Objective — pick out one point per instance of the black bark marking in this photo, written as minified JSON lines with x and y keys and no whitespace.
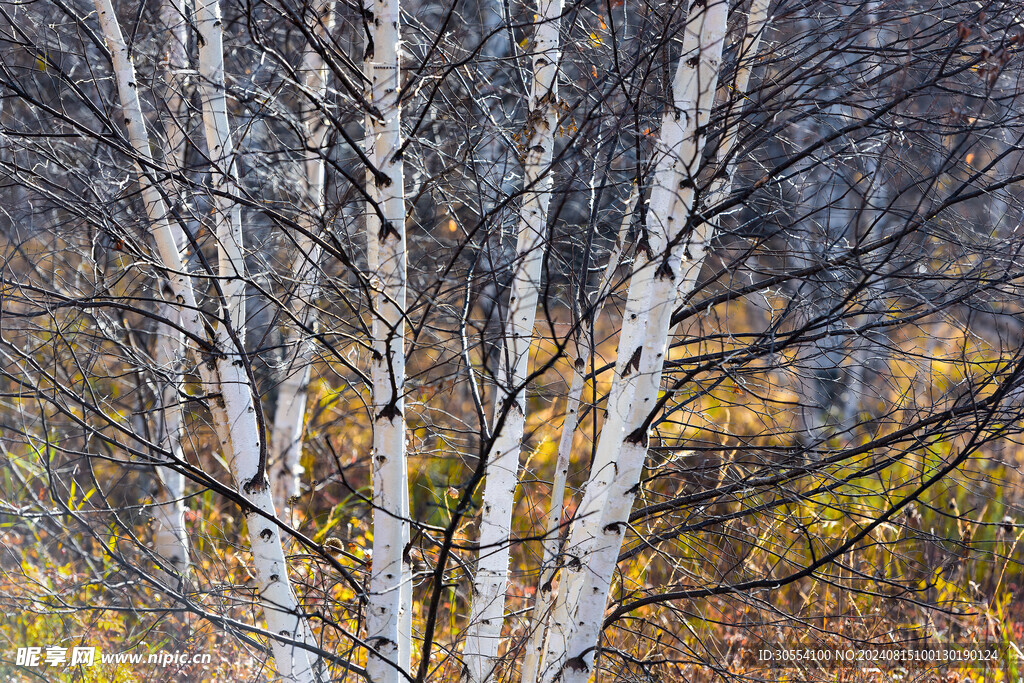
{"x":638,"y":436}
{"x":664,"y":271}
{"x":259,"y":483}
{"x":390,"y":411}
{"x":643,"y":244}
{"x":576,"y":664}
{"x":634,"y":362}
{"x":387,"y":228}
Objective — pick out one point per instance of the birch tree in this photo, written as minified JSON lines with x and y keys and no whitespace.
{"x":235,"y":412}
{"x":171,"y":537}
{"x":502,"y":469}
{"x":597,"y":537}
{"x":289,"y":415}
{"x":583,"y":356}
{"x":265,"y":253}
{"x":389,"y":616}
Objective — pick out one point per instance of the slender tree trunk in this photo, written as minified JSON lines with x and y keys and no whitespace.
{"x":828,"y":219}
{"x":175,"y":64}
{"x":873,"y":213}
{"x":597,"y":534}
{"x":757,"y":20}
{"x":227,"y":214}
{"x":582,"y":354}
{"x":289,"y":415}
{"x":490,"y":584}
{"x":234,"y":411}
{"x":171,"y":538}
{"x":389,"y":614}
{"x":243,"y":437}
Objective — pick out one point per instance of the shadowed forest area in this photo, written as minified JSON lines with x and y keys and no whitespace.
{"x":501,"y":341}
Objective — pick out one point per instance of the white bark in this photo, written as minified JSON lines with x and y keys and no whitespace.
{"x":170,"y":539}
{"x":238,"y":431}
{"x":234,"y":412}
{"x":167,"y":234}
{"x":757,"y":20}
{"x":490,"y":584}
{"x":289,"y":416}
{"x":721,"y":185}
{"x":389,"y":613}
{"x":175,"y":63}
{"x":596,"y":537}
{"x":227,"y":215}
{"x":538,"y":624}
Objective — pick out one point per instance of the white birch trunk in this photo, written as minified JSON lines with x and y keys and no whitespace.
{"x":389,"y":613}
{"x":490,"y":584}
{"x":170,"y":538}
{"x":227,"y":214}
{"x":167,"y":234}
{"x":172,"y":17}
{"x":239,"y":433}
{"x":757,"y":19}
{"x":596,"y":537}
{"x":721,"y":185}
{"x":538,"y":624}
{"x":289,"y":415}
{"x":234,"y":412}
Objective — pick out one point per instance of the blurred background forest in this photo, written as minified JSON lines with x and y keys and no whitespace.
{"x":835,"y":450}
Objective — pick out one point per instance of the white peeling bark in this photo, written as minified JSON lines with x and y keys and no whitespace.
{"x":289,"y":415}
{"x":228,"y":214}
{"x":175,"y":64}
{"x":389,"y":612}
{"x":721,"y":185}
{"x":757,"y":20}
{"x":170,"y":539}
{"x":234,"y":412}
{"x":538,"y":624}
{"x":483,"y":636}
{"x":596,"y":536}
{"x":241,"y":437}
